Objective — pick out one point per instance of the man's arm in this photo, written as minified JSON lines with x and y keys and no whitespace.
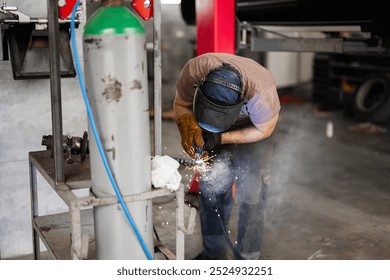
{"x":251,"y":133}
{"x":190,"y":131}
{"x":181,"y":106}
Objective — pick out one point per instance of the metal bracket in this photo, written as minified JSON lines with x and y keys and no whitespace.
{"x":21,"y":18}
{"x":25,"y":40}
{"x":26,"y":44}
{"x":307,"y":39}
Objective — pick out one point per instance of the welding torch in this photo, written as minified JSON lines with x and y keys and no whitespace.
{"x":198,"y":152}
{"x":197,"y":161}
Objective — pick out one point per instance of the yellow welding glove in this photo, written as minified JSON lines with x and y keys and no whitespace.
{"x":190,"y":132}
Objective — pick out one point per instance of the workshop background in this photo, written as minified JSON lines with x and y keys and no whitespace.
{"x":330,"y":188}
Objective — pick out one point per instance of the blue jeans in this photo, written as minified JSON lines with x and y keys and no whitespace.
{"x":249,"y":166}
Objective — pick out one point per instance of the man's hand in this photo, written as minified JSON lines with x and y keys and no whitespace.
{"x":211,"y":140}
{"x":190,"y":132}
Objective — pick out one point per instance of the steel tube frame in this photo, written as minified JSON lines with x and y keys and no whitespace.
{"x":55,"y":89}
{"x":157,"y":77}
{"x":79,"y":248}
{"x":34,"y":208}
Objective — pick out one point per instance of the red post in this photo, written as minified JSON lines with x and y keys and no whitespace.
{"x":215,"y":26}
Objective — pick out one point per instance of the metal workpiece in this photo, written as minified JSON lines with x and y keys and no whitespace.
{"x":116,"y":82}
{"x":185,"y":162}
{"x":72,"y":145}
{"x":200,"y":163}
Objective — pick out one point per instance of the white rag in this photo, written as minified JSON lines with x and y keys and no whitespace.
{"x":165,"y":172}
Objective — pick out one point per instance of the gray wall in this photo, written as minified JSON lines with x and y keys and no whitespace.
{"x":25,"y":116}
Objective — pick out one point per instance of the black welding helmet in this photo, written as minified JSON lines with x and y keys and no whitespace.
{"x":218,"y":99}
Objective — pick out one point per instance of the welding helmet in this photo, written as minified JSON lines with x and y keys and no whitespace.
{"x":218,"y":99}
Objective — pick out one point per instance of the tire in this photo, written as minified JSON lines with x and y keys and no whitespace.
{"x":372,"y":99}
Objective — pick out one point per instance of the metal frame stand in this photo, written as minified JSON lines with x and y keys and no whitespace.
{"x":53,"y":229}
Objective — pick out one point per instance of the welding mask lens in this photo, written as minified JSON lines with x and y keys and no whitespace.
{"x":213,"y":117}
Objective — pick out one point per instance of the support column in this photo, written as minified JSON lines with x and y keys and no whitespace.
{"x":215,"y":26}
{"x":55,"y":90}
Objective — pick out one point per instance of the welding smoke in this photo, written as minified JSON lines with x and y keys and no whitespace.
{"x":220,"y":177}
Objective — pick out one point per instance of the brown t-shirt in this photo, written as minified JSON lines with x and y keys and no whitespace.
{"x":258,"y":85}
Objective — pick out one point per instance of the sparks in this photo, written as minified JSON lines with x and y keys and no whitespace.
{"x":203,"y":165}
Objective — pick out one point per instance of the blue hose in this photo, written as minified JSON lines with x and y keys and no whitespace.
{"x":96,"y":134}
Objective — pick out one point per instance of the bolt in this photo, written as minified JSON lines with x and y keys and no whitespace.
{"x":69,"y":159}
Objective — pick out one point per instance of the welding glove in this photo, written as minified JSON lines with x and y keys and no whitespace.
{"x":211,"y":140}
{"x":190,"y":132}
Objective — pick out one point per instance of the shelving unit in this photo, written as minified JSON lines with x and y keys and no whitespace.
{"x":71,"y":235}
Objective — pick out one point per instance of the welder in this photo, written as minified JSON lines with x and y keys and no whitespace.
{"x":227,"y":106}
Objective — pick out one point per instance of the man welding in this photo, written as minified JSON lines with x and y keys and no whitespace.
{"x":226,"y":108}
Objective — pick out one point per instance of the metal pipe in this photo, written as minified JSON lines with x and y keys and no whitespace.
{"x":157,"y":77}
{"x":75,"y":229}
{"x":34,"y":209}
{"x":180,"y":236}
{"x":55,"y":89}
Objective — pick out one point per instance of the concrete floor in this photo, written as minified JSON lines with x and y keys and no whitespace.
{"x":329,"y":197}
